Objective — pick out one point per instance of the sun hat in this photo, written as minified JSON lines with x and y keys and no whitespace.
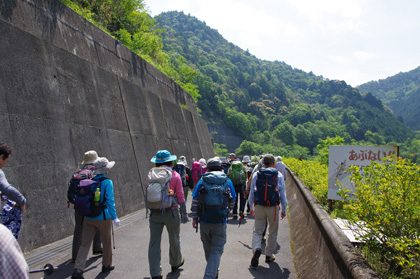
{"x":232,"y":155}
{"x":202,"y":161}
{"x":102,"y":165}
{"x":214,"y":164}
{"x":89,"y":157}
{"x":163,"y":156}
{"x":182,"y":160}
{"x":246,"y":159}
{"x":278,"y":158}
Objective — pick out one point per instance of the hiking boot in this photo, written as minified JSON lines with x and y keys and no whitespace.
{"x":158,"y":277}
{"x":263,"y":239}
{"x":175,"y":268}
{"x":108,"y":268}
{"x":235,"y":216}
{"x":269,"y":259}
{"x":255,"y":257}
{"x":77,"y":274}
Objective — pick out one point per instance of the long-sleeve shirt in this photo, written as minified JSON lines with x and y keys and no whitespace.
{"x":11,"y":192}
{"x":12,"y":262}
{"x":281,"y":167}
{"x":281,"y":189}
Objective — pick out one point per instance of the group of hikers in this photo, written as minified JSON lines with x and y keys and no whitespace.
{"x":217,"y":188}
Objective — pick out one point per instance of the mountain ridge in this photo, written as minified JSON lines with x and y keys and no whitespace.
{"x":273,"y":103}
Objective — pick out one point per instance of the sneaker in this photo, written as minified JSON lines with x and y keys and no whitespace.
{"x":235,"y":216}
{"x":263,"y":239}
{"x":158,"y":277}
{"x":269,"y":259}
{"x":175,"y":268}
{"x":77,"y":274}
{"x":99,"y":252}
{"x":108,"y":268}
{"x":255,"y":257}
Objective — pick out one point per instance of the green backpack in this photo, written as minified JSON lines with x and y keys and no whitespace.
{"x":236,"y":173}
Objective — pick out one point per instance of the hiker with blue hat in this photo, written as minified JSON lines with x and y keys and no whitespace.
{"x":163,"y":194}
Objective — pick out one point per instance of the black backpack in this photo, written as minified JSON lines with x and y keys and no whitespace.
{"x":83,"y":173}
{"x":180,"y":168}
{"x":266,"y":184}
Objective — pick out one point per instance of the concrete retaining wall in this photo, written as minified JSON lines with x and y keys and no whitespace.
{"x":67,"y":87}
{"x":321,"y":248}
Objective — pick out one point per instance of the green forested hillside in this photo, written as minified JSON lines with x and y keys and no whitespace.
{"x":272,"y":104}
{"x":401,"y":93}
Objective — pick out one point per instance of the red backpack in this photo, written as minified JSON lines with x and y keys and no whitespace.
{"x":196,"y":171}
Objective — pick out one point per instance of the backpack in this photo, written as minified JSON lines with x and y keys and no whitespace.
{"x":84,"y":200}
{"x":158,"y":194}
{"x":266,"y":185}
{"x":236,"y":173}
{"x":180,"y":168}
{"x":214,"y":196}
{"x":196,"y":171}
{"x":84,"y":173}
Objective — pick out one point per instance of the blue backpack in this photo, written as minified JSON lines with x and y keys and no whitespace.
{"x":214,"y":196}
{"x":84,"y":200}
{"x":266,"y":184}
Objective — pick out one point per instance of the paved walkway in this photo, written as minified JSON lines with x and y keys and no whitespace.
{"x":130,"y":254}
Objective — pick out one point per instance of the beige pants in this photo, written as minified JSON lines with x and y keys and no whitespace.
{"x":89,"y":231}
{"x":265,"y":214}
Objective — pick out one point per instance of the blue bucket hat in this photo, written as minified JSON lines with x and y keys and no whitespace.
{"x":163,"y":156}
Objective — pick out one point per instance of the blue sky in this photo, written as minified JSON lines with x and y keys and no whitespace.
{"x":352,"y":40}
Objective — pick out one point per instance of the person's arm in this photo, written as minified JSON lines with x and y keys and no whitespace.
{"x":252,"y":194}
{"x":282,"y":193}
{"x":108,"y":185}
{"x":194,"y":204}
{"x":13,"y":263}
{"x":11,"y":192}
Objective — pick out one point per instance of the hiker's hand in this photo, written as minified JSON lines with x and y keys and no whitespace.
{"x":22,"y":208}
{"x":117,"y":222}
{"x":283,"y":214}
{"x":184,"y":218}
{"x":252,"y":213}
{"x":194,"y":223}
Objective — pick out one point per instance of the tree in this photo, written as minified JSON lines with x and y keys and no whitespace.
{"x":284,"y":132}
{"x":386,"y":209}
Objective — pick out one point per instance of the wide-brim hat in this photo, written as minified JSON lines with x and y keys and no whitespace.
{"x":102,"y":165}
{"x":163,"y":156}
{"x":89,"y":157}
{"x":182,"y":160}
{"x":246,"y":159}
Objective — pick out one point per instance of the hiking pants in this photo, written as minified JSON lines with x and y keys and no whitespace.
{"x":89,"y":230}
{"x":77,"y":236}
{"x":239,"y":194}
{"x":158,"y":219}
{"x":265,"y":214}
{"x":213,"y":237}
{"x":185,"y":193}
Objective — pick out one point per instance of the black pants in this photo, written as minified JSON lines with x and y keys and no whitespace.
{"x":239,"y":189}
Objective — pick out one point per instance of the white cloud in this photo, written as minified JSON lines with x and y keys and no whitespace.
{"x":363,"y":56}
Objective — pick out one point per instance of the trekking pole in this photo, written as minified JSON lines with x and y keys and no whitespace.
{"x":113,"y":239}
{"x":48,"y":269}
{"x":240,"y":219}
